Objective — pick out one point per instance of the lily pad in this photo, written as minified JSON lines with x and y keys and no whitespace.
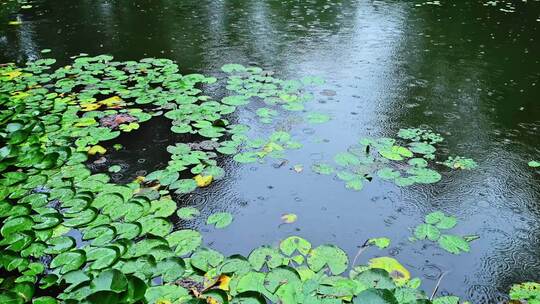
{"x":188,"y":213}
{"x":335,"y":258}
{"x":322,"y":168}
{"x":427,"y":231}
{"x":453,"y":244}
{"x":220,"y":220}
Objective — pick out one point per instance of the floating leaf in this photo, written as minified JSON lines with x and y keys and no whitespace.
{"x":114,"y":169}
{"x":68,"y":261}
{"x":346,"y":159}
{"x":173,"y":293}
{"x":375,"y":296}
{"x":395,"y":153}
{"x":459,"y":162}
{"x":188,"y":213}
{"x":237,"y":100}
{"x":398,"y":273}
{"x":97,"y":149}
{"x":322,"y":168}
{"x":185,"y":241}
{"x":203,"y":181}
{"x":330,"y":255}
{"x":233,"y":67}
{"x":528,"y":291}
{"x":427,"y":231}
{"x":204,"y":259}
{"x":317,"y":118}
{"x":289,"y":218}
{"x":129,"y":127}
{"x":424,"y":175}
{"x":265,"y":255}
{"x":434,"y":217}
{"x":388,"y":173}
{"x":246,"y":157}
{"x":16,"y":224}
{"x":171,"y":269}
{"x":422,"y":148}
{"x":534,"y":164}
{"x":355,"y":183}
{"x":380,"y":242}
{"x":184,"y":185}
{"x":453,"y":243}
{"x":295,"y":243}
{"x":220,"y":220}
{"x":103,"y":257}
{"x":446,"y":300}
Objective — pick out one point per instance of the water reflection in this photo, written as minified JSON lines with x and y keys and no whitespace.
{"x":468,"y":71}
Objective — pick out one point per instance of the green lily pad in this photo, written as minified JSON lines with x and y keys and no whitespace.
{"x":322,"y":168}
{"x":220,"y":220}
{"x":205,"y":258}
{"x":534,"y":164}
{"x":380,"y":242}
{"x":375,"y":296}
{"x":427,"y":231}
{"x":295,"y":243}
{"x":246,"y":157}
{"x":317,"y":118}
{"x":188,"y":213}
{"x":69,"y":261}
{"x":184,"y":241}
{"x":330,"y":255}
{"x":453,"y":244}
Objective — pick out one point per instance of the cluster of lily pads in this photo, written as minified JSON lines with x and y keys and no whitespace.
{"x":71,"y":236}
{"x":528,"y":292}
{"x":274,"y":147}
{"x":431,"y":229}
{"x":254,"y":82}
{"x":405,"y":162}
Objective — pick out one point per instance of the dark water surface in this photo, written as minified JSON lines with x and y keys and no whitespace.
{"x":468,"y":71}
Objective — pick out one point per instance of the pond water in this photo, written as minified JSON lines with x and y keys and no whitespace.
{"x":468,"y":71}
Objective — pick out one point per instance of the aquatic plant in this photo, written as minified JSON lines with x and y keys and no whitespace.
{"x":528,"y":292}
{"x":406,"y":162}
{"x":258,"y":149}
{"x":431,"y":229}
{"x":73,"y":234}
{"x":534,"y":164}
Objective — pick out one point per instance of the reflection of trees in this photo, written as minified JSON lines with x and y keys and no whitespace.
{"x":467,"y":64}
{"x":462,"y":70}
{"x":195,"y":33}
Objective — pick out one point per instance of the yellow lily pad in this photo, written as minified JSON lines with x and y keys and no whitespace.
{"x":203,"y":181}
{"x":19,"y":95}
{"x":85,"y":122}
{"x":289,"y":218}
{"x":97,"y":149}
{"x":112,"y":101}
{"x":12,"y":74}
{"x":90,"y":107}
{"x":398,"y":272}
{"x":224,"y":281}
